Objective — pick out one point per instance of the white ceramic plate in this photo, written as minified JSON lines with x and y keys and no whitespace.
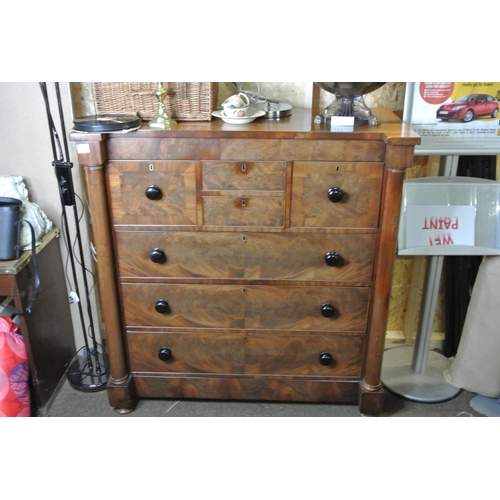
{"x":239,"y":120}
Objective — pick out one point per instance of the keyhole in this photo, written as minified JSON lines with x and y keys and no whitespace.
{"x":151,"y":167}
{"x":338,"y":169}
{"x":243,"y":167}
{"x":243,"y":203}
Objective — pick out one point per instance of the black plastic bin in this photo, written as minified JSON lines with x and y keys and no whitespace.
{"x":10,"y":214}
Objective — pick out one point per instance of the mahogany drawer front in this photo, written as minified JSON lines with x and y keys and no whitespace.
{"x":299,"y":149}
{"x":152,"y":192}
{"x":180,"y":254}
{"x":178,"y":148}
{"x":250,"y":354}
{"x":335,"y":194}
{"x":243,"y":175}
{"x":244,"y":210}
{"x":192,"y":306}
{"x":125,"y":148}
{"x":226,"y":255}
{"x":186,"y":352}
{"x":318,"y":355}
{"x":305,"y":308}
{"x":265,"y":307}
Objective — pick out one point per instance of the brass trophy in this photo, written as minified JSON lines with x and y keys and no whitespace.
{"x":161,"y":120}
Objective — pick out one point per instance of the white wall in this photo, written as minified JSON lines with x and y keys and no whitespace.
{"x":26,"y":151}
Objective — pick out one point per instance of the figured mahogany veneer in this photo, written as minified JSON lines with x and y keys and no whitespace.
{"x":247,"y":262}
{"x":249,"y":255}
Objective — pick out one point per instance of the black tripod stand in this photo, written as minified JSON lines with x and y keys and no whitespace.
{"x":88,"y":370}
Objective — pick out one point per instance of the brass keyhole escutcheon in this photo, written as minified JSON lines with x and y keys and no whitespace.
{"x":243,"y":203}
{"x":243,"y":167}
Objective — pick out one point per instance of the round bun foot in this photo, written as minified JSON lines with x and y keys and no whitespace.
{"x":123,"y":411}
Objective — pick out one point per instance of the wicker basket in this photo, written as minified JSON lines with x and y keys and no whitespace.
{"x":185,"y":101}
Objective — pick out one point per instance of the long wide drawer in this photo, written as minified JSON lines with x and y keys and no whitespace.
{"x":250,"y":354}
{"x":305,"y":308}
{"x":257,"y":256}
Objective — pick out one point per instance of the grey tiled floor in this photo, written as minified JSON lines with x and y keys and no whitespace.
{"x":72,"y":403}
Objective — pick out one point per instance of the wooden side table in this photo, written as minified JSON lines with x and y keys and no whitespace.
{"x":48,"y":329}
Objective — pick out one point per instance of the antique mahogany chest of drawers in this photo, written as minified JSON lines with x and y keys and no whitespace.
{"x":246,"y":261}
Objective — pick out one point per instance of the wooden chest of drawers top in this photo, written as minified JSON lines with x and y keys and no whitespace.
{"x":296,"y":137}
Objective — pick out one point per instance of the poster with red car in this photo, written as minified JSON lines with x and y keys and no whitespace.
{"x":454,"y":118}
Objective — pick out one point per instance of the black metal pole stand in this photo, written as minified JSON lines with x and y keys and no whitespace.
{"x":88,"y":370}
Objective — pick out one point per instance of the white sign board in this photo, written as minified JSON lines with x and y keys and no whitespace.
{"x":439,"y":225}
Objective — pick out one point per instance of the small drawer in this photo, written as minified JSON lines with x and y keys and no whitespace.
{"x":186,"y":352}
{"x":152,"y":192}
{"x":244,"y":175}
{"x":244,"y":210}
{"x":336,"y":194}
{"x":313,"y":355}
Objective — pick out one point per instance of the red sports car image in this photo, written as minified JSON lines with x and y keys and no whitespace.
{"x":468,"y":107}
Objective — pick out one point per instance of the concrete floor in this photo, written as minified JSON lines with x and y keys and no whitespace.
{"x":73,"y":403}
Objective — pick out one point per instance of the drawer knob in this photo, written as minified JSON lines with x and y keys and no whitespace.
{"x":325,"y":358}
{"x":165,"y":354}
{"x":335,"y":194}
{"x":327,"y":310}
{"x":158,"y":256}
{"x":162,"y":307}
{"x":333,"y":259}
{"x":153,"y":192}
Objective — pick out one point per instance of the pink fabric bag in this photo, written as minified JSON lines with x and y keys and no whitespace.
{"x":15,"y":399}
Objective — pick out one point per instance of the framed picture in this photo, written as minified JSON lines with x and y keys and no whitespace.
{"x":454,"y":118}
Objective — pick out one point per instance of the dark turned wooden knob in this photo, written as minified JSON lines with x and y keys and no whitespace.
{"x":158,"y":256}
{"x":325,"y":358}
{"x":335,"y":194}
{"x":332,"y":259}
{"x":153,"y":192}
{"x":165,"y":354}
{"x":162,"y":307}
{"x":327,"y":310}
